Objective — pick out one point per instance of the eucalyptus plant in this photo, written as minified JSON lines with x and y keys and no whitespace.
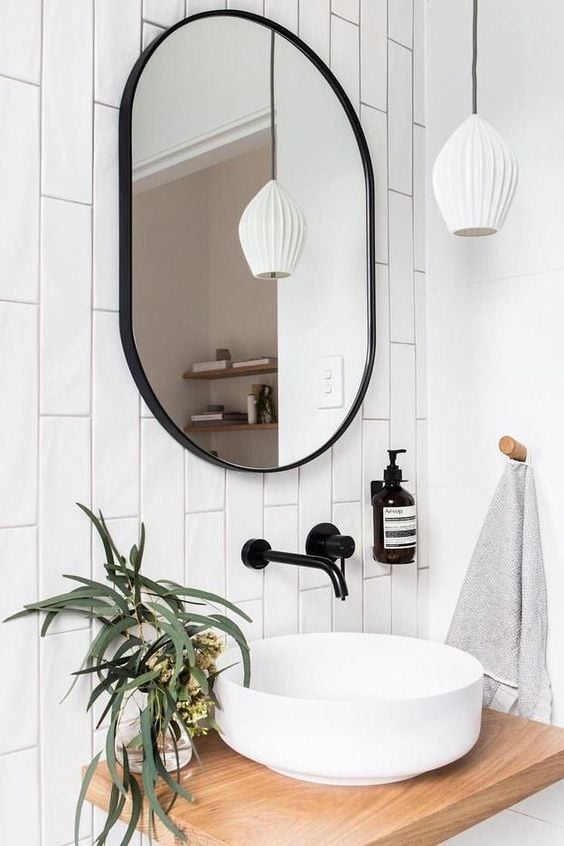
{"x":152,"y":641}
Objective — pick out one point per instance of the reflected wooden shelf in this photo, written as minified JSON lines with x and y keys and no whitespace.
{"x":232,"y":372}
{"x":231,"y":427}
{"x":241,"y":803}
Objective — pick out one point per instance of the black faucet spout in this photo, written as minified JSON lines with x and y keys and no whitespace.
{"x":257,"y":553}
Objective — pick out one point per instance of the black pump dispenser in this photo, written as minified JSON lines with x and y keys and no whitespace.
{"x":395,"y":529}
{"x":393,"y":473}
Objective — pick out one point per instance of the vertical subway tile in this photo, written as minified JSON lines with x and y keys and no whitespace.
{"x":20,"y":39}
{"x":66,"y":268}
{"x":256,"y":6}
{"x":205,"y":485}
{"x":61,"y":762}
{"x":347,"y":516}
{"x":19,"y":798}
{"x":423,"y":557}
{"x":18,"y":640}
{"x":400,"y":21}
{"x":375,"y":125}
{"x":316,"y":610}
{"x":195,"y":6}
{"x":402,"y":415}
{"x":18,"y":389}
{"x":421,"y":341}
{"x":105,"y":208}
{"x":400,"y":142}
{"x":162,"y":502}
{"x":419,"y":12}
{"x":64,"y":531}
{"x":378,"y":605}
{"x":283,"y":11}
{"x":315,"y":26}
{"x":117,"y":43}
{"x":19,"y":177}
{"x":115,"y":424}
{"x":404,"y":599}
{"x":374,"y":53}
{"x":150,"y":32}
{"x":347,"y":464}
{"x":377,"y":400}
{"x":419,"y":198}
{"x":315,"y":507}
{"x":244,"y":521}
{"x":375,"y":442}
{"x":423,"y":604}
{"x":281,"y":488}
{"x":253,"y":609}
{"x":402,"y":307}
{"x":281,"y":606}
{"x":349,"y":9}
{"x":163,"y":12}
{"x":345,"y":57}
{"x":67,"y":99}
{"x":205,"y":551}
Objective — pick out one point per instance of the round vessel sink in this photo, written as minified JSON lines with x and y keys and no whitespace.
{"x":351,"y":708}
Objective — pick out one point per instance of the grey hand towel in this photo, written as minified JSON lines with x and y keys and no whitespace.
{"x":501,"y":615}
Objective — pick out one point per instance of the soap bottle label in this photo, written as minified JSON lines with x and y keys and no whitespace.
{"x":400,"y":527}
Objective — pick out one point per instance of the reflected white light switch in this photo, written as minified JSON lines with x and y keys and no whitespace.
{"x":330,"y":381}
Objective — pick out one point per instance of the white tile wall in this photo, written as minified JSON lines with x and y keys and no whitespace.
{"x":66,"y":297}
{"x":494,"y":332}
{"x":19,"y":176}
{"x":67,"y":99}
{"x":92,"y":439}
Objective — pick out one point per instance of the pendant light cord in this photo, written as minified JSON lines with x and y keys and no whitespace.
{"x":475,"y":59}
{"x":272,"y":109}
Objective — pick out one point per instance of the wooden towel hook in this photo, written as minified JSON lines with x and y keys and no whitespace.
{"x":512,"y":448}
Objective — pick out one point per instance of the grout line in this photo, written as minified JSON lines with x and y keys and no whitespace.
{"x":45,"y":196}
{"x":399,"y":43}
{"x":9,"y":301}
{"x":17,"y":79}
{"x":346,"y":20}
{"x":40,"y":679}
{"x":19,"y":751}
{"x":374,"y":108}
{"x":401,"y":193}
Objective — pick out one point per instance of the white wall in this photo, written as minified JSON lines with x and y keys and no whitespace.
{"x":73,"y":427}
{"x":494,"y":320}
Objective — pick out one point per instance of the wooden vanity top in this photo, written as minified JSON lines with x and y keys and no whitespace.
{"x":241,"y":803}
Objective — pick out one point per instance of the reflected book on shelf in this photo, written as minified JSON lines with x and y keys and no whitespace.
{"x":200,"y":366}
{"x":219,"y":417}
{"x":255,"y":362}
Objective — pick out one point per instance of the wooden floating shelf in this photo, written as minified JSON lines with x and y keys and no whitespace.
{"x":241,"y":803}
{"x":231,"y":427}
{"x":232,"y":372}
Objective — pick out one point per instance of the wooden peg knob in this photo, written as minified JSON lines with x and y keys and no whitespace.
{"x":512,"y":448}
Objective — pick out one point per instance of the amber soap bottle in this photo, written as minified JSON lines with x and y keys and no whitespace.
{"x":395,"y":518}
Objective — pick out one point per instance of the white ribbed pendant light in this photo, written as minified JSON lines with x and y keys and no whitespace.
{"x":272,"y":229}
{"x":272,"y":232}
{"x":475,"y":173}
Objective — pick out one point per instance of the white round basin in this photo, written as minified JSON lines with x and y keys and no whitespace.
{"x":351,"y":708}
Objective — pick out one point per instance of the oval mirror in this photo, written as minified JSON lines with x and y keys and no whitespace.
{"x":247,"y":242}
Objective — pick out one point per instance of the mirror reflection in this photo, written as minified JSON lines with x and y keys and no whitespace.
{"x":249,"y":246}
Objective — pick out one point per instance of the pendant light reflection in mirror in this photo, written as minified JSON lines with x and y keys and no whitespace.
{"x":272,"y":230}
{"x":475,"y":174}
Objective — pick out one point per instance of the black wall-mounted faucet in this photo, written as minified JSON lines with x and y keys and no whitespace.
{"x":324,"y":545}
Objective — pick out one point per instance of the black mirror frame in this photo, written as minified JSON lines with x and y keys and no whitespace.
{"x":125,"y":248}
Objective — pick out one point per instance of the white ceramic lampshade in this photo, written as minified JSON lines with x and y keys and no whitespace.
{"x":272,"y":232}
{"x":474,"y":178}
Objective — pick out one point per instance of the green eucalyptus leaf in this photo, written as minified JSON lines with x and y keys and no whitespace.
{"x":150,"y":777}
{"x":82,"y":795}
{"x":210,"y":598}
